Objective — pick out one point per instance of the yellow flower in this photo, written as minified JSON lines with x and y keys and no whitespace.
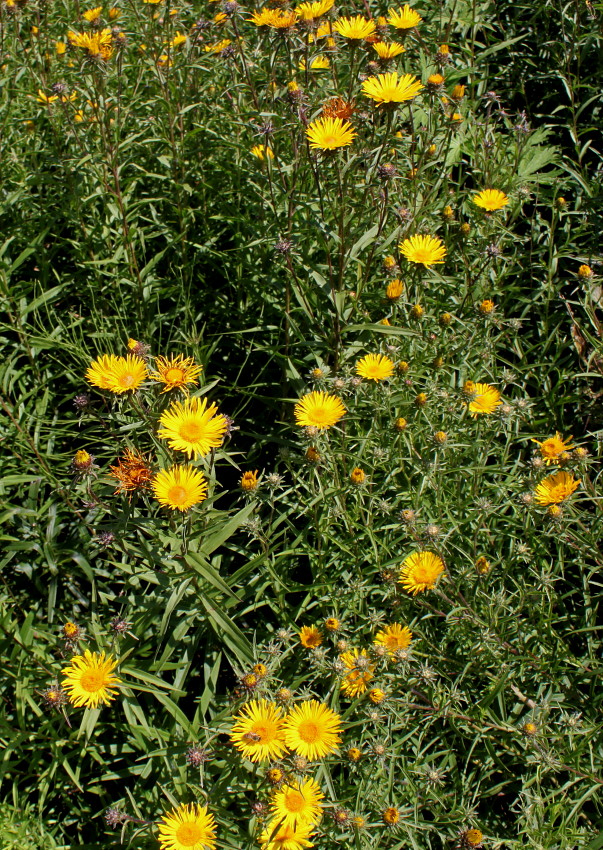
{"x":44,"y":98}
{"x":423,"y":250}
{"x":486,"y":307}
{"x":420,"y":571}
{"x":175,"y":372}
{"x":405,"y":18}
{"x":89,"y":679}
{"x":258,"y":731}
{"x":393,"y":638}
{"x":332,"y":624}
{"x":472,"y":838}
{"x":97,"y":44}
{"x":328,"y":134}
{"x":389,"y":88}
{"x":357,"y":476}
{"x":310,"y":637}
{"x":359,"y":672}
{"x":262,"y":152}
{"x":297,"y":802}
{"x":60,"y":47}
{"x":82,"y":460}
{"x":482,"y":565}
{"x":309,"y":11}
{"x":377,"y":696}
{"x":394,"y":289}
{"x":193,"y":427}
{"x":281,"y":837}
{"x":92,"y":15}
{"x":319,"y":63}
{"x":117,"y":374}
{"x":261,"y":18}
{"x":180,"y":487}
{"x":553,"y":447}
{"x":391,"y":816}
{"x":585,"y":272}
{"x":218,"y":47}
{"x":556,"y":488}
{"x":319,"y":410}
{"x":490,"y":200}
{"x":249,"y":481}
{"x":375,"y":367}
{"x":400,"y":424}
{"x":354,"y":29}
{"x":281,"y":20}
{"x":312,"y":730}
{"x":177,"y":40}
{"x":388,"y":51}
{"x":484,"y":399}
{"x":187,"y":828}
{"x":354,"y":754}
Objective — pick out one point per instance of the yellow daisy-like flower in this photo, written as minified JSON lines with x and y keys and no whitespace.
{"x":360,"y":672}
{"x":310,"y":637}
{"x":98,"y":45}
{"x":180,"y":487}
{"x":282,"y":837}
{"x":100,"y":372}
{"x":423,"y":249}
{"x":92,"y":15}
{"x":551,"y":448}
{"x":45,"y":98}
{"x":187,"y":828}
{"x":490,"y":200}
{"x":319,"y":63}
{"x":282,"y":19}
{"x":261,"y":18}
{"x":298,"y":802}
{"x":328,"y":134}
{"x":354,"y":29}
{"x":556,"y":488}
{"x":375,"y":367}
{"x":89,"y":680}
{"x":312,"y":730}
{"x":318,"y":410}
{"x":258,"y":731}
{"x":420,"y":571}
{"x":484,"y":399}
{"x":309,"y":11}
{"x":388,"y":51}
{"x":127,"y":374}
{"x":193,"y":427}
{"x":175,"y":372}
{"x":262,"y":152}
{"x":393,"y":638}
{"x":391,"y":88}
{"x":218,"y":46}
{"x":404,"y":19}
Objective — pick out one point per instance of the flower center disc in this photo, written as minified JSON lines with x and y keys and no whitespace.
{"x":177,"y":495}
{"x":308,"y":732}
{"x":174,"y":375}
{"x":263,"y":733}
{"x":294,"y":801}
{"x":127,"y":380}
{"x":189,"y":834}
{"x":92,"y":681}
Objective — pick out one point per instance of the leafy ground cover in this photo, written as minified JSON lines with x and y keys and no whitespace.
{"x":301,"y":423}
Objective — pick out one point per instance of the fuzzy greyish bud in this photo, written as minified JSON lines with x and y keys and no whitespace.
{"x":196,"y":755}
{"x":113,"y":817}
{"x":493,"y":250}
{"x":105,"y":539}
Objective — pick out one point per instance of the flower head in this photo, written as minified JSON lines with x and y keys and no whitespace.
{"x":189,"y":827}
{"x":328,"y":134}
{"x":193,"y":426}
{"x":423,"y":249}
{"x":484,"y":399}
{"x":132,"y":472}
{"x":313,"y":9}
{"x":553,"y":447}
{"x":388,"y":51}
{"x":319,"y":410}
{"x":391,"y":816}
{"x":359,"y":672}
{"x":175,"y":372}
{"x":298,"y":802}
{"x":312,"y":730}
{"x":391,"y":88}
{"x":117,"y":374}
{"x":490,"y":200}
{"x":556,"y":488}
{"x":357,"y":476}
{"x":310,"y":637}
{"x":354,"y":29}
{"x":279,"y":836}
{"x":420,"y":571}
{"x":262,"y":152}
{"x":249,"y":481}
{"x":405,"y":18}
{"x":97,"y":45}
{"x":258,"y":731}
{"x":375,"y":367}
{"x":89,"y":680}
{"x":393,"y":637}
{"x":180,"y":487}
